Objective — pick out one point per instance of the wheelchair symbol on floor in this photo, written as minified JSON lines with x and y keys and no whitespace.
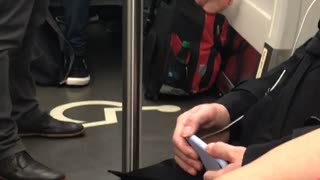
{"x":109,"y":113}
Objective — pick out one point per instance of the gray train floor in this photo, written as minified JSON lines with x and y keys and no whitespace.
{"x":90,"y":156}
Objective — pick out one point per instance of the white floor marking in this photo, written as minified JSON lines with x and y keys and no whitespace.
{"x":163,"y":108}
{"x":110,"y":113}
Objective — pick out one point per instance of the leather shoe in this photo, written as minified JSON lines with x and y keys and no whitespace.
{"x":22,"y":166}
{"x":52,"y":128}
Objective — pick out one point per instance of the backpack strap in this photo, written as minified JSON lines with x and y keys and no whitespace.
{"x":155,"y":4}
{"x":214,"y":59}
{"x":66,"y":48}
{"x":218,"y":27}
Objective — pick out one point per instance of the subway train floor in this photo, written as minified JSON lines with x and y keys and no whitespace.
{"x":90,"y":156}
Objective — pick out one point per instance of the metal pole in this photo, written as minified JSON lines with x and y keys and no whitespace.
{"x":132,"y":74}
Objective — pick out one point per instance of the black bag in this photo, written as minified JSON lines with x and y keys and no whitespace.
{"x":168,"y":67}
{"x":52,"y":55}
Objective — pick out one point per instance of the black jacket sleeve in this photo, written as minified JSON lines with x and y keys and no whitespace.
{"x":247,"y":93}
{"x":304,"y":106}
{"x":255,"y":151}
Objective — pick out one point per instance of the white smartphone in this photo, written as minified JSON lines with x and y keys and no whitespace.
{"x":208,"y":162}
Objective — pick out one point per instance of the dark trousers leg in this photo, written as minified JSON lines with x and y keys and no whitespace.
{"x":26,"y":110}
{"x":10,"y":143}
{"x":77,"y":19}
{"x":14,"y":22}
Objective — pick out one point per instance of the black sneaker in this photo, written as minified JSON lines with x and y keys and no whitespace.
{"x":79,"y":75}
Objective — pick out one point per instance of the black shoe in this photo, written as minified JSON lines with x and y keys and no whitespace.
{"x":22,"y":166}
{"x":52,"y":128}
{"x":79,"y":75}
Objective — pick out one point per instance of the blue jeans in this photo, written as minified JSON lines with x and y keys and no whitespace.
{"x":77,"y":19}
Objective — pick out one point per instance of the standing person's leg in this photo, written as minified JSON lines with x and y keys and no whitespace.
{"x":13,"y":25}
{"x":30,"y":119}
{"x":22,"y":89}
{"x":77,"y":19}
{"x":15,"y":163}
{"x":10,"y":143}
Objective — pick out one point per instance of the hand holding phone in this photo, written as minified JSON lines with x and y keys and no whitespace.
{"x":209,"y":162}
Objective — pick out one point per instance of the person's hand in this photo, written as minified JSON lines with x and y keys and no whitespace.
{"x":232,"y":154}
{"x":206,"y":116}
{"x":214,"y":6}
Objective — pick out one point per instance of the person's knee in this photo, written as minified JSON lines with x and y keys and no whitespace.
{"x":11,"y":40}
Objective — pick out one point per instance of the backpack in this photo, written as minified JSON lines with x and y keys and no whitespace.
{"x":52,"y":55}
{"x":184,"y":48}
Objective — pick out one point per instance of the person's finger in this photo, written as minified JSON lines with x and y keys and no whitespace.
{"x":185,"y":166}
{"x":187,"y":126}
{"x":205,"y":116}
{"x":190,"y":126}
{"x":221,"y":150}
{"x":197,"y":117}
{"x":196,"y":164}
{"x":181,"y":144}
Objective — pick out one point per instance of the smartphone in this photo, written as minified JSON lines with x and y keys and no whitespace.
{"x":208,"y":162}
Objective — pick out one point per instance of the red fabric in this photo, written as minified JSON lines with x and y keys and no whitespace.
{"x":205,"y":49}
{"x":224,"y":33}
{"x":218,"y":59}
{"x":176,"y":46}
{"x":243,"y":66}
{"x":252,"y":59}
{"x":237,"y":42}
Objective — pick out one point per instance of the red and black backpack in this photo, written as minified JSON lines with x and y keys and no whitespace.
{"x":171,"y":68}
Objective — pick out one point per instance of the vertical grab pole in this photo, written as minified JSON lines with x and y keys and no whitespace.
{"x":132,"y":75}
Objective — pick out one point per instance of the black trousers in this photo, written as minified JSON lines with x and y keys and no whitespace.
{"x":166,"y":170}
{"x":18,"y":105}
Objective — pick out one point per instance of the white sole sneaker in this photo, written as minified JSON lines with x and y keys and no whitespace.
{"x":73,"y":81}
